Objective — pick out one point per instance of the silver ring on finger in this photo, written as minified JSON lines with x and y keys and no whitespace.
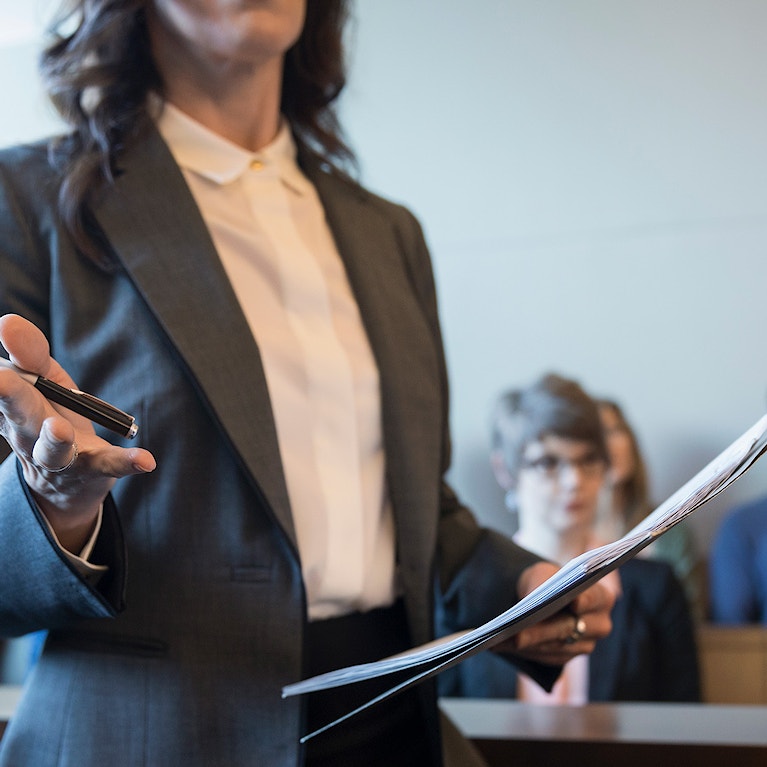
{"x":68,"y":465}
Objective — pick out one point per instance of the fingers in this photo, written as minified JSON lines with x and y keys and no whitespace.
{"x":67,"y":467}
{"x":29,"y":350}
{"x":533,"y":576}
{"x":22,"y":407}
{"x":41,"y":433}
{"x":26,"y":344}
{"x":22,"y":411}
{"x":122,"y":462}
{"x":33,"y":428}
{"x":64,"y":462}
{"x":578,"y":632}
{"x":563,"y":632}
{"x":572,"y":632}
{"x":81,"y":459}
{"x":55,"y":449}
{"x":557,"y":640}
{"x":70,"y":478}
{"x":596,"y":598}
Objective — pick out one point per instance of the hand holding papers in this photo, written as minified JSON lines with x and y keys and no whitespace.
{"x":559,"y":590}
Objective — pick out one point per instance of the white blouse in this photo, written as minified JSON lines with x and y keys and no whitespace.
{"x":269,"y":228}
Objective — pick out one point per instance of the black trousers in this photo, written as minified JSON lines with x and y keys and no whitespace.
{"x":390,"y":733}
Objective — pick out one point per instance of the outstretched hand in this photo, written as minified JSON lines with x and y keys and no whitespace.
{"x":568,"y":633}
{"x":68,"y":468}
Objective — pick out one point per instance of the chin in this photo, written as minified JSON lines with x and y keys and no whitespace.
{"x":580,"y":517}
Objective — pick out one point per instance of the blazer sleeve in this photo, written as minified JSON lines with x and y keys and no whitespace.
{"x":462,"y":543}
{"x":477,"y":568}
{"x":38,"y":587}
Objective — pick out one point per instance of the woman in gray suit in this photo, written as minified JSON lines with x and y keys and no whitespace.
{"x":194,"y":252}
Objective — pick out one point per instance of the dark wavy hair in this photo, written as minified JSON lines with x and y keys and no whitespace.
{"x":98,"y":71}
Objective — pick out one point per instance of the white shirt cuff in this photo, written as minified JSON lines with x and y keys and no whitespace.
{"x":92,"y":573}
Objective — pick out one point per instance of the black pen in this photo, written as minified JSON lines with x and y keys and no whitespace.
{"x":79,"y":402}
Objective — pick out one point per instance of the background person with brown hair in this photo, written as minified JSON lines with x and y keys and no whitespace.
{"x":627,"y":502}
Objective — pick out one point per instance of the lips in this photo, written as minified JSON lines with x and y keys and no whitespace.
{"x":576,"y":507}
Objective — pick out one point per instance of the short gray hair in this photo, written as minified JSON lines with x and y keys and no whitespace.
{"x":553,"y":405}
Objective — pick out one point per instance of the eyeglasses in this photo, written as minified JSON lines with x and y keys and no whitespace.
{"x":552,"y":466}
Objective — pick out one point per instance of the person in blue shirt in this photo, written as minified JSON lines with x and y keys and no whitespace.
{"x":738,"y":566}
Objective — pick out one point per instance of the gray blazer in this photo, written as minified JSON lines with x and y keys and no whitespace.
{"x":178,"y":655}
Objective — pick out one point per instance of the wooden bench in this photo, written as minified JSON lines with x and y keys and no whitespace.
{"x":733,"y":663}
{"x":609,"y":734}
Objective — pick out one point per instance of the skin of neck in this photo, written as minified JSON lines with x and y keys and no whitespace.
{"x":618,"y":496}
{"x":237,"y":99}
{"x":559,"y":546}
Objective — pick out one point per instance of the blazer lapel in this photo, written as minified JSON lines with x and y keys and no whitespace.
{"x":154,"y":226}
{"x":404,"y":349}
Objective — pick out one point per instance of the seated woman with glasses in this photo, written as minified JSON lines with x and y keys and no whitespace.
{"x":549,"y":455}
